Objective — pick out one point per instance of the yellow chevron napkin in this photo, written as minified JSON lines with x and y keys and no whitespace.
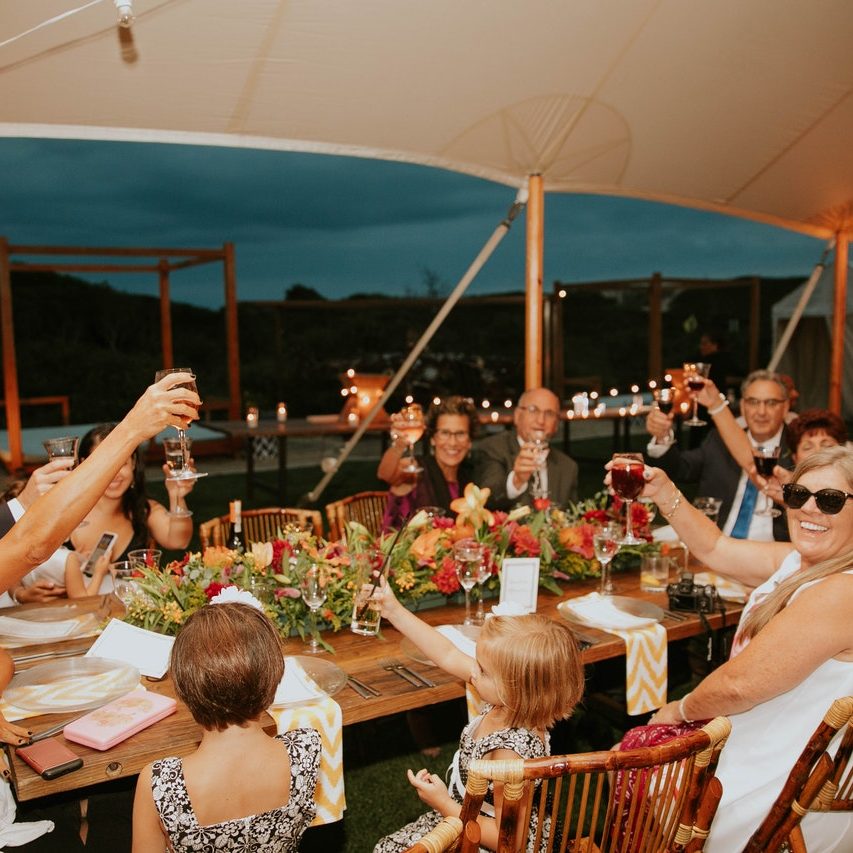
{"x":324,"y":715}
{"x":646,"y":668}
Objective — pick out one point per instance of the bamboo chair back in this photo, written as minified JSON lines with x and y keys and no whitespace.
{"x":367,"y":508}
{"x":259,"y":525}
{"x":642,"y":800}
{"x":817,"y":782}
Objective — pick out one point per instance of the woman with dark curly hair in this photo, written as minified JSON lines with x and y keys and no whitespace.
{"x":450,"y":428}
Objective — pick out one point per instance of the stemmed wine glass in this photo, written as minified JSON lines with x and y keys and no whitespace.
{"x":605,"y":543}
{"x":63,"y":448}
{"x":664,"y":398}
{"x":411,"y":427}
{"x":541,"y":447}
{"x":627,"y":481}
{"x":483,"y":574}
{"x":314,"y":595}
{"x":469,"y":557}
{"x":186,"y":472}
{"x":695,"y":374}
{"x":765,"y":458}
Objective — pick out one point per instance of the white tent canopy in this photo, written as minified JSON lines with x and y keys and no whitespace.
{"x":806,"y":358}
{"x":744,"y":108}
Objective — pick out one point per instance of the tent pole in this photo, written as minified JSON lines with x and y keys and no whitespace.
{"x":10,"y":367}
{"x":446,"y":308}
{"x":533,"y":280}
{"x":839,"y":322}
{"x":165,"y":315}
{"x":811,"y":284}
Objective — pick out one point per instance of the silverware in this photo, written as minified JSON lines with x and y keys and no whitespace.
{"x":68,"y":653}
{"x":676,"y":617}
{"x":398,"y":669}
{"x":363,"y":690}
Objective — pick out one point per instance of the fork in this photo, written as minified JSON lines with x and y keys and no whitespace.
{"x":676,"y":617}
{"x":404,"y":672}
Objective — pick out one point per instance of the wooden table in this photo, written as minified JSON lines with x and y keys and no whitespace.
{"x":358,"y":656}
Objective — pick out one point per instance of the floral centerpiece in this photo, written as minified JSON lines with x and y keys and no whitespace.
{"x":418,"y":561}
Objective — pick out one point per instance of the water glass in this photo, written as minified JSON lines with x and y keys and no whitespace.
{"x":605,"y":543}
{"x":469,"y":559}
{"x":314,"y":596}
{"x":367,"y":606}
{"x":63,"y":447}
{"x":710,"y":506}
{"x":144,"y":558}
{"x":654,"y":573}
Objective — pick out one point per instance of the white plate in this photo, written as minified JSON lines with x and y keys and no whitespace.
{"x":73,"y":684}
{"x":328,"y":676}
{"x":633,"y":606}
{"x":408,"y":648}
{"x":88,"y":621}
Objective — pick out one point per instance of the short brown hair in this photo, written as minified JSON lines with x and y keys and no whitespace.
{"x":812,"y":420}
{"x":538,"y":666}
{"x":455,"y":405}
{"x":226,"y":664}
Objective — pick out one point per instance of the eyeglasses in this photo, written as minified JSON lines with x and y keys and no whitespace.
{"x":829,"y":501}
{"x":446,"y":434}
{"x":535,"y":411}
{"x":754,"y":403}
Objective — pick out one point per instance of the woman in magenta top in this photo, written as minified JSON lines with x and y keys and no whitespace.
{"x":450,"y":427}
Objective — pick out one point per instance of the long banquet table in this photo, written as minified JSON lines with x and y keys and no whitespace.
{"x":357,"y":655}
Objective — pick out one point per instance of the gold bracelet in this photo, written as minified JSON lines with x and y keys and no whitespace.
{"x":676,"y":503}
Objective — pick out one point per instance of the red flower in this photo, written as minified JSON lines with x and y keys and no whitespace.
{"x":595,"y":516}
{"x":214,"y":588}
{"x":443,"y":523}
{"x":540,"y":504}
{"x":445,"y":578}
{"x":523,"y":543}
{"x":280,"y":549}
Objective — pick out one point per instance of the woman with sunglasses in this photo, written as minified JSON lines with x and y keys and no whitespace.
{"x":450,"y":427}
{"x":793,"y":650}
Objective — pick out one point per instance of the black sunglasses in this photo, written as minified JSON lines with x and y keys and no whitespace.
{"x":829,"y":501}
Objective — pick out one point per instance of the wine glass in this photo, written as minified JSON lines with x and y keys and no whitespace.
{"x":665,"y":398}
{"x":695,"y":374}
{"x":411,"y":427}
{"x":627,"y":481}
{"x":605,"y":543}
{"x":484,"y":572}
{"x":541,"y":447}
{"x":64,"y":447}
{"x":765,"y":458}
{"x":469,"y":557}
{"x":314,"y":595}
{"x":186,"y":472}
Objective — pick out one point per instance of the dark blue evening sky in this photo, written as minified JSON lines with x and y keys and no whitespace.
{"x":343,"y":225}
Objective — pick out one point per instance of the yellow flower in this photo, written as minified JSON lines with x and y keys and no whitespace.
{"x":423,"y":548}
{"x":217,"y":557}
{"x":172,"y":612}
{"x":262,"y":552}
{"x":471,"y":507}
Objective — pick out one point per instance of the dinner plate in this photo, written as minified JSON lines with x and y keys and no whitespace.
{"x":328,"y":676}
{"x":633,"y":606}
{"x":408,"y":648}
{"x":87,"y":621}
{"x":73,"y":684}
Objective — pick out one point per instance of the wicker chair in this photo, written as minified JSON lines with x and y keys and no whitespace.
{"x":366,"y":508}
{"x":259,"y":525}
{"x":816,"y":783}
{"x":585,"y":798}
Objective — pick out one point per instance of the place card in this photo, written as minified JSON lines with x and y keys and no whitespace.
{"x":148,"y":651}
{"x":520,"y":582}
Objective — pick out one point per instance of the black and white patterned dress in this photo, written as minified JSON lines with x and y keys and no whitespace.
{"x":525,"y":743}
{"x":276,"y":831}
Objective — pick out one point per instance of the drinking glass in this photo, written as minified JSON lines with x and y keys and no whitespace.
{"x":469,"y":557}
{"x":186,"y":473}
{"x":710,"y":506}
{"x":367,"y":601}
{"x":627,"y":481}
{"x":125,"y":589}
{"x":695,"y":374}
{"x":174,"y":453}
{"x":664,"y":399}
{"x":765,"y":458}
{"x":483,"y":574}
{"x":605,"y":543}
{"x":144,"y":558}
{"x":64,"y":447}
{"x":411,"y":427}
{"x":654,"y":573}
{"x":541,"y":447}
{"x":314,"y":595}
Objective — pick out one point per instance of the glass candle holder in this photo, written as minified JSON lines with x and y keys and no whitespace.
{"x":252,"y":416}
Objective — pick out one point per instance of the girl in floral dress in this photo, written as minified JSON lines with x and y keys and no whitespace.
{"x":528,"y":672}
{"x":241,"y":790}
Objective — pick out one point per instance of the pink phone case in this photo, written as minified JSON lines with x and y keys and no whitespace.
{"x":105,"y":727}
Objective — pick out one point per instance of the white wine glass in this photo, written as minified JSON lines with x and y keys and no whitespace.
{"x":469,"y":557}
{"x":411,"y":426}
{"x":186,"y":472}
{"x":605,"y":543}
{"x":541,"y":447}
{"x":314,"y":596}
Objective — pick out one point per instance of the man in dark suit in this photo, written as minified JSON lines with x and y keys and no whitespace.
{"x":508,"y":463}
{"x":764,"y":405}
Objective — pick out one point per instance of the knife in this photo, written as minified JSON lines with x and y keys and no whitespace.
{"x":53,"y":730}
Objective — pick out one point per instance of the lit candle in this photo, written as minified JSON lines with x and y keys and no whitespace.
{"x":252,"y":416}
{"x":494,"y":416}
{"x":352,"y":418}
{"x":281,"y":412}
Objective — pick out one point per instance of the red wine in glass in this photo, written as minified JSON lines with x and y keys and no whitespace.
{"x":627,"y":481}
{"x":695,"y":383}
{"x":665,"y":405}
{"x":765,"y":465}
{"x":765,"y":459}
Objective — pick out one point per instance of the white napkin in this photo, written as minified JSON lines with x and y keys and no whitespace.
{"x":148,"y":651}
{"x":15,"y":834}
{"x":465,"y":644}
{"x":509,"y":608}
{"x":728,"y":590}
{"x":599,"y":611}
{"x":295,"y":685}
{"x":23,"y":629}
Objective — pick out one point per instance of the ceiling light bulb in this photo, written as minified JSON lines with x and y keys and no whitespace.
{"x":125,"y":12}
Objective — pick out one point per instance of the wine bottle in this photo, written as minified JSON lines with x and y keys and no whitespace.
{"x":236,"y":540}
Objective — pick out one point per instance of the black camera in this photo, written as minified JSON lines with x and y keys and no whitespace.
{"x":686,"y":595}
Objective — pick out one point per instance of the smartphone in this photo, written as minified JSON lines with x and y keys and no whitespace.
{"x":106,"y":541}
{"x":50,"y":758}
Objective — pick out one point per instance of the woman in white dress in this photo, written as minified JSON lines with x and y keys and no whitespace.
{"x":793,"y":650}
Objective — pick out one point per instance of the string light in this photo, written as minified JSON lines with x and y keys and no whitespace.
{"x":125,"y":13}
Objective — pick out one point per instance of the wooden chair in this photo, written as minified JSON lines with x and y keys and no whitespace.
{"x":816,"y":783}
{"x":366,"y":508}
{"x":585,"y":797}
{"x":259,"y":525}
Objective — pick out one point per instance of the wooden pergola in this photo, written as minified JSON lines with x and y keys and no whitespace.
{"x":112,"y":260}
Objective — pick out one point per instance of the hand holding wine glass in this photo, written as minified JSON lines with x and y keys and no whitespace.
{"x":695,"y":377}
{"x":314,"y":596}
{"x":186,"y":472}
{"x":627,"y":481}
{"x":765,"y":458}
{"x":410,"y":424}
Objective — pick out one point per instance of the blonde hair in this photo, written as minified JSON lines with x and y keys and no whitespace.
{"x":839,"y":459}
{"x":537,"y":665}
